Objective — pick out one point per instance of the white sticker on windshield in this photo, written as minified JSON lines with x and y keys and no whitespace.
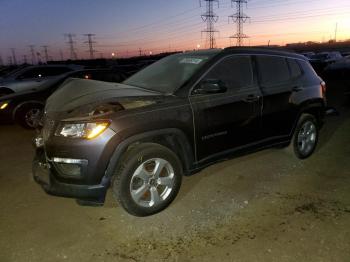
{"x":191,"y":60}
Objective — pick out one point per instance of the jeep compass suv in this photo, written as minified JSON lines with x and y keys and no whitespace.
{"x":174,"y":118}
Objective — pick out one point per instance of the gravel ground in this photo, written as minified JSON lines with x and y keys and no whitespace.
{"x":266,"y":206}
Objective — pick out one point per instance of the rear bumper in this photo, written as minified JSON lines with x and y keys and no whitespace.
{"x":42,"y":174}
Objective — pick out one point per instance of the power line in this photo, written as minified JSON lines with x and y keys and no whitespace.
{"x":71,"y":43}
{"x":90,"y":42}
{"x":210,"y":18}
{"x":239,"y":18}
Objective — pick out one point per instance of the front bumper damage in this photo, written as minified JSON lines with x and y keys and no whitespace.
{"x":43,"y":174}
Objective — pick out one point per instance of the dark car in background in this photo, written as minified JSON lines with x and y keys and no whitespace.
{"x":174,"y":118}
{"x":320,"y":60}
{"x":31,"y":77}
{"x":25,"y":108}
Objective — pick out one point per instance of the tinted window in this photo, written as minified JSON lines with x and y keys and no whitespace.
{"x":236,"y":72}
{"x":54,"y":71}
{"x":31,"y":73}
{"x":44,"y":72}
{"x":107,"y":76}
{"x":273,"y":70}
{"x":294,"y":67}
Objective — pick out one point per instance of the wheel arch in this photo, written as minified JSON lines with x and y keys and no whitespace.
{"x":20,"y":105}
{"x":172,"y":138}
{"x":314,"y":107}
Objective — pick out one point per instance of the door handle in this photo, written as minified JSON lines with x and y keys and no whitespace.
{"x":297,"y":88}
{"x":251,"y":98}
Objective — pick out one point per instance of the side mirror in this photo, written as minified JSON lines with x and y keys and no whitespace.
{"x":211,"y":86}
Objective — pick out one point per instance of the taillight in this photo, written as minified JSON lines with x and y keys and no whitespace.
{"x":323,"y":86}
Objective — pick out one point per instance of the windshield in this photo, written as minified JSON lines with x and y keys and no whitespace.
{"x":169,"y":73}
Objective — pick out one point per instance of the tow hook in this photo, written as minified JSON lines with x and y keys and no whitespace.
{"x":331,"y":111}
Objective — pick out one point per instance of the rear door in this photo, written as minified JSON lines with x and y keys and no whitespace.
{"x":224,"y":121}
{"x":279,"y":78}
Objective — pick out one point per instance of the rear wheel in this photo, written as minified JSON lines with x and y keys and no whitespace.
{"x":148,"y":179}
{"x":29,"y":116}
{"x":305,"y":136}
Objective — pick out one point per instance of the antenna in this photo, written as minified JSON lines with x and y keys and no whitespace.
{"x":239,"y":18}
{"x":71,"y":42}
{"x":90,"y":42}
{"x":210,"y":18}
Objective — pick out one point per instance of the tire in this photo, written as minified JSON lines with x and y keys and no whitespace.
{"x":139,"y":186}
{"x":305,"y":136}
{"x":29,"y":116}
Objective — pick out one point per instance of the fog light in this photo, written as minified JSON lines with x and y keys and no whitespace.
{"x":69,"y":167}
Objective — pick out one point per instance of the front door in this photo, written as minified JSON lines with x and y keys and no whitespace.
{"x":227,"y":118}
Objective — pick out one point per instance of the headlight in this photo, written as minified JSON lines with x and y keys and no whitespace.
{"x":82,"y":130}
{"x":4,"y":104}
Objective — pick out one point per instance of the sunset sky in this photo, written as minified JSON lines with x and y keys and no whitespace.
{"x":161,"y":25}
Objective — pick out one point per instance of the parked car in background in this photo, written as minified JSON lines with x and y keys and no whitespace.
{"x":308,"y":55}
{"x":173,"y":118}
{"x":30,"y":78}
{"x":321,"y":60}
{"x":25,"y":108}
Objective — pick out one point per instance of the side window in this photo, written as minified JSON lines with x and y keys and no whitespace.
{"x":273,"y":70}
{"x":55,"y":71}
{"x":31,"y":73}
{"x":294,"y":67}
{"x":236,"y":72}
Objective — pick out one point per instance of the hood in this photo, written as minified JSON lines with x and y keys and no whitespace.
{"x":84,"y":96}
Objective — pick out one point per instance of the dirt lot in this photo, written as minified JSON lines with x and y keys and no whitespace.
{"x":266,"y":206}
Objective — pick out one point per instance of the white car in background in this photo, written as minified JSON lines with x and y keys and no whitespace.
{"x":30,"y":78}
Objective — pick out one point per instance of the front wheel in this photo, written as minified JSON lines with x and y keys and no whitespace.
{"x":148,"y":179}
{"x":305,"y":136}
{"x":29,"y":116}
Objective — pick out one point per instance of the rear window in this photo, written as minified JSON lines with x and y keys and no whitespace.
{"x":294,"y":67}
{"x":273,"y":70}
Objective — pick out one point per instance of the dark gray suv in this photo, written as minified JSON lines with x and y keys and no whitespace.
{"x":174,"y":118}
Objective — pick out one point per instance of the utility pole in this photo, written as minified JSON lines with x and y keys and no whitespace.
{"x":71,"y":42}
{"x":46,"y":53}
{"x":25,"y":59}
{"x":210,"y":18}
{"x":335,"y":32}
{"x":90,"y":42}
{"x":13,"y":51}
{"x":9,"y":60}
{"x":61,"y":55}
{"x":239,"y":18}
{"x":140,"y":52}
{"x":1,"y":61}
{"x":32,"y":52}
